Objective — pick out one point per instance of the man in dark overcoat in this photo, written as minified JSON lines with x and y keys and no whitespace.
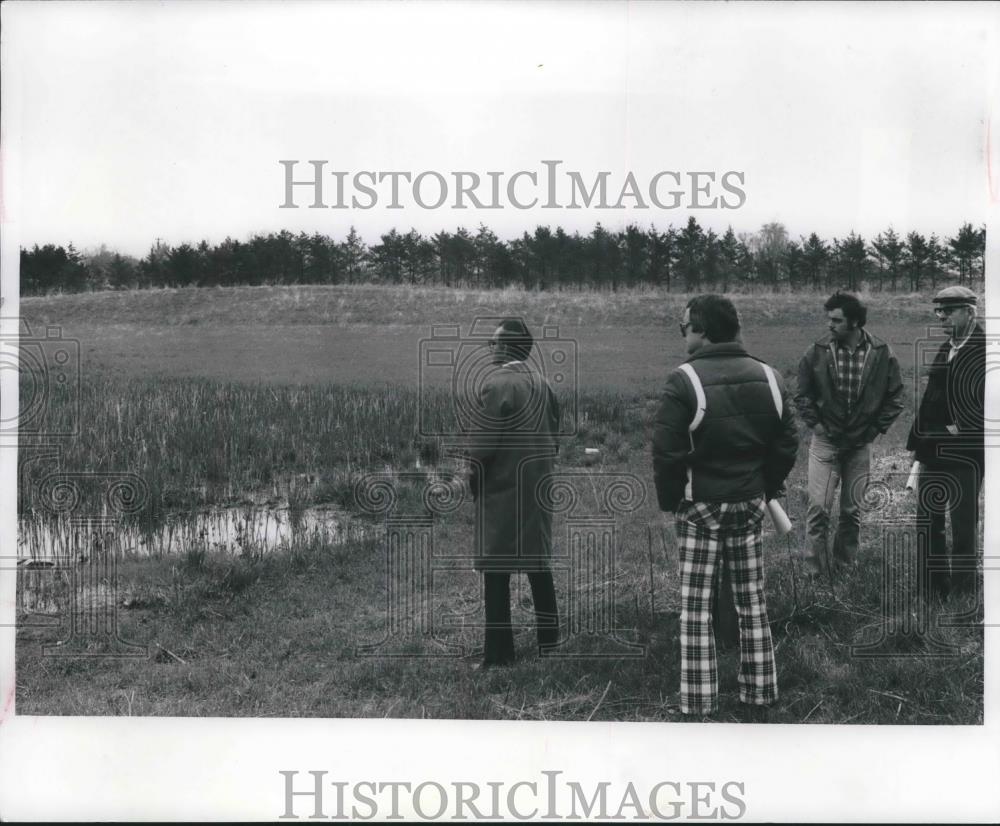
{"x":513,"y":449}
{"x":947,"y":441}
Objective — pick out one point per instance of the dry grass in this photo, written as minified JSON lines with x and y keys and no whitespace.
{"x":348,"y":305}
{"x":277,"y":634}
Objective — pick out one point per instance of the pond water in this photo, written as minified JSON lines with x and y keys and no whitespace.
{"x":247,"y":529}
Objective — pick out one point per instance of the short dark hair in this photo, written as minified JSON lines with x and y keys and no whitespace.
{"x":715,"y":317}
{"x":853,"y":309}
{"x":516,"y":336}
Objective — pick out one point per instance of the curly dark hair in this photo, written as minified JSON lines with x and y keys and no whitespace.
{"x":853,"y":309}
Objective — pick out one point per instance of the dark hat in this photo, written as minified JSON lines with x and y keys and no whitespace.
{"x":961,"y":296}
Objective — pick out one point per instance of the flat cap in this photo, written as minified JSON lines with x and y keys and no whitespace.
{"x":956,"y":295}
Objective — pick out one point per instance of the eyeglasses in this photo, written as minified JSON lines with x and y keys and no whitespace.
{"x":685,"y":326}
{"x":946,"y":311}
{"x":492,"y":343}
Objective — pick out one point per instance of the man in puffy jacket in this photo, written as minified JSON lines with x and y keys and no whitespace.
{"x":849,"y":393}
{"x":724,"y":440}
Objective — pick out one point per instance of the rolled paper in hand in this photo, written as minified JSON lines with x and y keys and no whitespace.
{"x":782,"y":524}
{"x":911,"y":481}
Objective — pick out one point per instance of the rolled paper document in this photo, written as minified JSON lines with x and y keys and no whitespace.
{"x":782,"y":524}
{"x":591,"y":455}
{"x":911,"y":481}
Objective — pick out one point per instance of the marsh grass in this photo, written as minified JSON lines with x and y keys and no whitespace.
{"x":277,"y":633}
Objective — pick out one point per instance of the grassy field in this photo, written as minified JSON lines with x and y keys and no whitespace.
{"x":321,"y":335}
{"x":210,"y":396}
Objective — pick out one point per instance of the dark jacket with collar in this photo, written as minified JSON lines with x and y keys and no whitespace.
{"x":955,"y":395}
{"x":741,"y":449}
{"x":880,"y":399}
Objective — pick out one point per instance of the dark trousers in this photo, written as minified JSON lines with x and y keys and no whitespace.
{"x":935,"y":575}
{"x":499,"y":646}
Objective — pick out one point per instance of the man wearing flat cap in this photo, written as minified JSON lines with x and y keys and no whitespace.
{"x":947,"y":440}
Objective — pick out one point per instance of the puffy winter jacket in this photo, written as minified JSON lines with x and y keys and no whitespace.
{"x":740,"y":449}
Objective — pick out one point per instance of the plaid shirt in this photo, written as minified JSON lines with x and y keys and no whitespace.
{"x":849,"y":366}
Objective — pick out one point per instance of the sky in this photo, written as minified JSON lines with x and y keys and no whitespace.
{"x":123,"y":123}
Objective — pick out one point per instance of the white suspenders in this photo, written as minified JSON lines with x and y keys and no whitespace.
{"x":701,"y":406}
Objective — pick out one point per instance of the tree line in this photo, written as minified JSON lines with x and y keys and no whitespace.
{"x":688,"y":259}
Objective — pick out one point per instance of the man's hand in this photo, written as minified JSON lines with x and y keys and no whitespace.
{"x":952,"y":429}
{"x":819,"y":430}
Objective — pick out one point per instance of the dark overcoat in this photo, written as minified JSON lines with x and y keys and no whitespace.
{"x":513,"y":448}
{"x":955,"y":395}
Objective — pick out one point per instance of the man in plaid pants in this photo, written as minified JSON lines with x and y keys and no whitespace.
{"x":723,"y":443}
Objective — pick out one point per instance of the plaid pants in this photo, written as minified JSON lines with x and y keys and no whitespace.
{"x":704,"y":529}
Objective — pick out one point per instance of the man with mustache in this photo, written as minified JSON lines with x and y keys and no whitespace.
{"x":850,"y":392}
